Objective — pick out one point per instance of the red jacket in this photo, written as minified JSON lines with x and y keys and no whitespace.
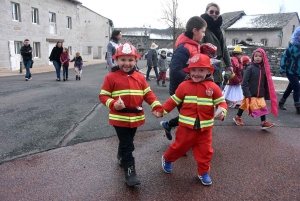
{"x":133,"y":90}
{"x":237,"y":70}
{"x":64,"y":59}
{"x":198,"y":100}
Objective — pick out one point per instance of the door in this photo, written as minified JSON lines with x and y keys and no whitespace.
{"x":51,"y":46}
{"x":52,"y":23}
{"x":15,"y":56}
{"x":100,"y":52}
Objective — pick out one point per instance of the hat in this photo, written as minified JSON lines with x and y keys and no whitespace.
{"x":209,"y":49}
{"x":153,"y":46}
{"x":126,"y":49}
{"x":199,"y":61}
{"x":245,"y":60}
{"x":237,"y":50}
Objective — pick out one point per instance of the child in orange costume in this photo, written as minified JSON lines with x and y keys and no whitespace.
{"x":198,"y":96}
{"x":123,"y":92}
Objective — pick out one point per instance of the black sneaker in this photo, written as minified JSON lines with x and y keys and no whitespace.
{"x":131,"y":177}
{"x":30,"y":78}
{"x":76,"y":77}
{"x":167,"y":129}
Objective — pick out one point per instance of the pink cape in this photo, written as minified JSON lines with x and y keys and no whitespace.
{"x":273,"y":97}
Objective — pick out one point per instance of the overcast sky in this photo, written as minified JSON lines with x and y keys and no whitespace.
{"x":136,"y":13}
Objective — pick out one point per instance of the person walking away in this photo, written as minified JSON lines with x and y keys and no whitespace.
{"x":26,"y":52}
{"x":290,"y":67}
{"x":152,"y":61}
{"x":232,"y":92}
{"x":198,"y":96}
{"x":65,"y":59}
{"x":257,"y":87}
{"x":78,"y":63}
{"x":112,"y":46}
{"x":215,"y":35}
{"x":187,"y":45}
{"x":55,"y":58}
{"x":163,"y":67}
{"x":123,"y":92}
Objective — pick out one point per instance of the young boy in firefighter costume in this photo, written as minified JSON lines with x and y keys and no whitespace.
{"x":123,"y":92}
{"x":198,"y":96}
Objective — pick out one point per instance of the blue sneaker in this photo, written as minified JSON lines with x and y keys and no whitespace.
{"x":167,"y":129}
{"x":167,"y":166}
{"x":205,"y":179}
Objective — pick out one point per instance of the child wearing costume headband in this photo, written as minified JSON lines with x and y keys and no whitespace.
{"x":123,"y":92}
{"x":198,"y":97}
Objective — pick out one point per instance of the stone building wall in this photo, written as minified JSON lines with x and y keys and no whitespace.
{"x":274,"y":56}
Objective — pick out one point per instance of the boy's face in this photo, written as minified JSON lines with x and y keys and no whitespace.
{"x":199,"y":34}
{"x":163,"y":54}
{"x":199,"y":74}
{"x":239,"y":56}
{"x":258,"y":57}
{"x":126,"y":63}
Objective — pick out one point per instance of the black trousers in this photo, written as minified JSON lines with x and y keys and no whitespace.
{"x":126,"y":146}
{"x":240,"y":113}
{"x":174,"y":122}
{"x":65,"y":72}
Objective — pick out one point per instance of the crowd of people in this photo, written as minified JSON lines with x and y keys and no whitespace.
{"x":60,"y":58}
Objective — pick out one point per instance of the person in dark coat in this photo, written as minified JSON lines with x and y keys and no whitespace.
{"x":55,"y":58}
{"x":26,"y":52}
{"x":215,"y":35}
{"x":152,"y":60}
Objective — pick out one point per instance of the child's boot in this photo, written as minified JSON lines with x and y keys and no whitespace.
{"x":157,"y":82}
{"x":297,"y":106}
{"x":131,"y":177}
{"x":164,"y":85}
{"x":281,"y":104}
{"x":76,"y":77}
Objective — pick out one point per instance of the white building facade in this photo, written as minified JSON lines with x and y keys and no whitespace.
{"x":46,"y":22}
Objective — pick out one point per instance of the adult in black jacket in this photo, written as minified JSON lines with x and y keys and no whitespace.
{"x":152,"y":60}
{"x":55,"y":58}
{"x":26,"y":52}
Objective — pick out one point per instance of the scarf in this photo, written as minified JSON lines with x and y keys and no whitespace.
{"x":273,"y":97}
{"x":214,"y":25}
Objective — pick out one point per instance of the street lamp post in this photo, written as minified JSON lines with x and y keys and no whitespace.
{"x":147,"y":34}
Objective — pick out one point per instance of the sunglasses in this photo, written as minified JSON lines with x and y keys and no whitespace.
{"x":214,"y":11}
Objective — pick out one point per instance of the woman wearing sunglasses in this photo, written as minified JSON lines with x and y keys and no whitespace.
{"x":215,"y":35}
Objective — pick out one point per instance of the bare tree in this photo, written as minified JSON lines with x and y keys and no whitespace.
{"x":281,"y":7}
{"x":170,"y":18}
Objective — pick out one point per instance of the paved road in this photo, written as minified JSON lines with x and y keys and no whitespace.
{"x":35,"y":116}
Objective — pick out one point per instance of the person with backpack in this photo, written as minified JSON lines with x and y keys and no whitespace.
{"x":112,"y":46}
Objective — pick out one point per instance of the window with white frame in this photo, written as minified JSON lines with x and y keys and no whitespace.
{"x":18,"y":45}
{"x":35,"y":16}
{"x":234,"y":41}
{"x":69,"y":22}
{"x":15,"y":10}
{"x":264,"y":42}
{"x":36,"y":53}
{"x":70,"y":50}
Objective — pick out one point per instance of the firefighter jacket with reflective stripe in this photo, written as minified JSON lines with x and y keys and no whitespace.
{"x":198,"y":100}
{"x":132,"y":89}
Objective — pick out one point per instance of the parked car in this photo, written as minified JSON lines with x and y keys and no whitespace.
{"x":169,"y":54}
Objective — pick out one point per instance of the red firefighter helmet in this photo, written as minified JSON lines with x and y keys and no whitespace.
{"x":199,"y":61}
{"x":209,"y":50}
{"x":126,"y":49}
{"x":245,"y":60}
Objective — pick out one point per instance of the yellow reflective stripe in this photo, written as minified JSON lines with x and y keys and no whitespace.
{"x":204,"y":101}
{"x":127,"y":92}
{"x":176,"y":99}
{"x":103,"y":92}
{"x":191,"y":121}
{"x":165,"y":112}
{"x":155,"y":103}
{"x":126,"y":118}
{"x":146,"y":90}
{"x":198,"y":101}
{"x":108,"y":102}
{"x":187,"y":120}
{"x":219,"y":100}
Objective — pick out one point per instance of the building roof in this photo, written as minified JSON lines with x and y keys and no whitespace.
{"x":158,"y":34}
{"x":263,"y":21}
{"x":75,"y":1}
{"x":231,"y":17}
